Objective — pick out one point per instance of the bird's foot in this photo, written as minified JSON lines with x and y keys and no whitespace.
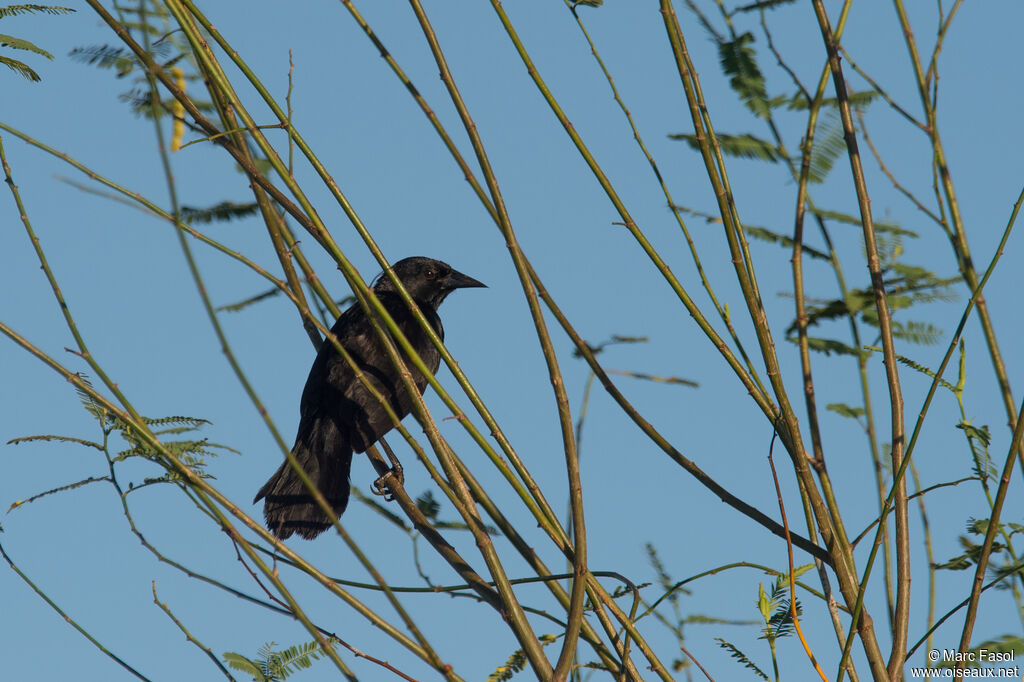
{"x":386,"y":484}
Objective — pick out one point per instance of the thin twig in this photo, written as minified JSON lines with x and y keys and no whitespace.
{"x":188,"y":635}
{"x":68,"y":619}
{"x":792,"y":579}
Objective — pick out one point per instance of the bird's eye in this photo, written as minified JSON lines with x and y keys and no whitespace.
{"x":431,"y":273}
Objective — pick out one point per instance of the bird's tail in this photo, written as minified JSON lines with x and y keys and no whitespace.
{"x":326,"y":457}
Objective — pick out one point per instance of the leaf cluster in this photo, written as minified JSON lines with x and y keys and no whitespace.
{"x":270,"y":665}
{"x":167,"y":47}
{"x":906,"y":286}
{"x":14,"y":43}
{"x":972,"y":550}
{"x":979,"y":438}
{"x":739,"y":63}
{"x":516,"y":663}
{"x":774,"y":607}
{"x":191,"y":452}
{"x":223,"y":211}
{"x":776,"y":613}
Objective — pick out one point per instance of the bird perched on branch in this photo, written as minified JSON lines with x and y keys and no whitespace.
{"x":339,"y":415}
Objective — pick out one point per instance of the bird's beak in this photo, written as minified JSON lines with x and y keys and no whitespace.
{"x":457,"y":280}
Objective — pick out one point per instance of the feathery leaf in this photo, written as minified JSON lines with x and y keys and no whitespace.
{"x":766,"y":235}
{"x":271,"y":665}
{"x":21,"y":68}
{"x":61,"y":439}
{"x":22,"y":44}
{"x":829,"y":145}
{"x":880,"y":225}
{"x":741,"y":657}
{"x":240,"y":662}
{"x":190,"y":422}
{"x":69,"y":486}
{"x":15,"y":10}
{"x":739,"y":62}
{"x":222,"y":212}
{"x":106,"y":57}
{"x":920,"y":368}
{"x":428,"y":505}
{"x":743,"y":146}
{"x":762,"y":4}
{"x":844,"y":410}
{"x":828,"y":346}
{"x":980,"y":433}
{"x":515,"y":663}
{"x":798,"y":102}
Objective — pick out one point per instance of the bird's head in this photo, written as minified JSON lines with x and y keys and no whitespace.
{"x":427,"y":280}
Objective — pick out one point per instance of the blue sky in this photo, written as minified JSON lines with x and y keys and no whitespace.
{"x":128,"y":286}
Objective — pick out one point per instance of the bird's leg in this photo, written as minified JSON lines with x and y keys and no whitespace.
{"x":395,"y":476}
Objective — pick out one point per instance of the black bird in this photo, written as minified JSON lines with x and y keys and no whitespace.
{"x":339,"y":415}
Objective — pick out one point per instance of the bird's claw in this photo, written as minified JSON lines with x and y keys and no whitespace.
{"x":386,"y":484}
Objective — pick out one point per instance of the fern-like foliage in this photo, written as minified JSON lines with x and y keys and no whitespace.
{"x":799,"y":101}
{"x":846,"y":218}
{"x":120,"y":59}
{"x":903,"y":360}
{"x":844,"y":410}
{"x":921,"y":333}
{"x":428,"y":505}
{"x":91,"y":405}
{"x":664,"y":579}
{"x":141,"y":102}
{"x":190,"y":452}
{"x":20,"y":68}
{"x":856,"y":301}
{"x":167,"y":47}
{"x":672,"y":592}
{"x":774,"y":606}
{"x":1004,"y":571}
{"x":59,"y":439}
{"x":828,"y":346}
{"x":58,"y":489}
{"x":190,"y":423}
{"x":743,"y":146}
{"x":972,"y":550}
{"x":11,"y":42}
{"x":270,"y":665}
{"x":741,"y":657}
{"x":222,"y":212}
{"x":739,"y":63}
{"x":766,"y":235}
{"x":16,"y":10}
{"x":829,"y":145}
{"x":22,"y":44}
{"x":762,"y":4}
{"x":516,"y":662}
{"x":905,"y":286}
{"x":979,"y":438}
